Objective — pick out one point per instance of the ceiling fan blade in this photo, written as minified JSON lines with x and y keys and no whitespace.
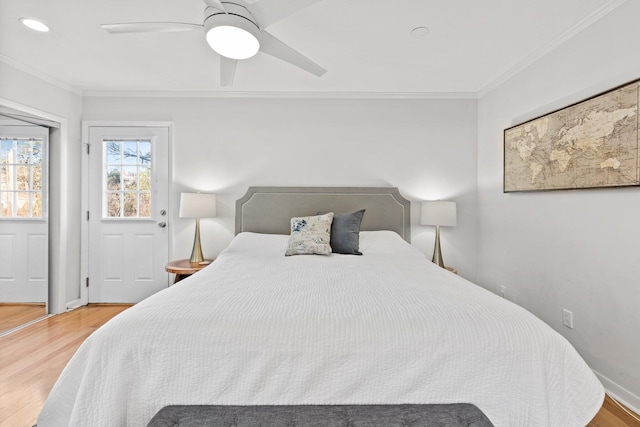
{"x":227,"y":71}
{"x":150,"y":27}
{"x":215,"y":3}
{"x":274,"y":47}
{"x":268,"y":12}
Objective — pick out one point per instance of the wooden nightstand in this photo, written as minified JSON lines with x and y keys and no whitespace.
{"x":451,"y":269}
{"x":183,"y":268}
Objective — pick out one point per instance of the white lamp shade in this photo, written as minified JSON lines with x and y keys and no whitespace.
{"x":198,"y":205}
{"x":438,"y":212}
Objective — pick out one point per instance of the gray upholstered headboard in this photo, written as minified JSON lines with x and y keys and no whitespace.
{"x":270,"y":209}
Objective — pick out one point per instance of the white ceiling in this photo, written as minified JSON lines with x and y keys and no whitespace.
{"x":364,"y":44}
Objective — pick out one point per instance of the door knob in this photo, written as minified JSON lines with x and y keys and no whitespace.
{"x":162,"y":224}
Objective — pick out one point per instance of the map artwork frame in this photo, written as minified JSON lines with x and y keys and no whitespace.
{"x":593,"y":143}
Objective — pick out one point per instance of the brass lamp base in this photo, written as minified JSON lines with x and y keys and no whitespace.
{"x":437,"y":253}
{"x":196,"y":253}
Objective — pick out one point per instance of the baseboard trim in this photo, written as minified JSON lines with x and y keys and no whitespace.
{"x":72,"y":305}
{"x":619,"y":393}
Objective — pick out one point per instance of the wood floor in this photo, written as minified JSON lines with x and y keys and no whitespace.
{"x":611,"y":415}
{"x":32,"y":358}
{"x":14,"y":315}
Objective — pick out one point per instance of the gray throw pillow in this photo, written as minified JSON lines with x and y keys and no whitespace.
{"x":345,"y":233}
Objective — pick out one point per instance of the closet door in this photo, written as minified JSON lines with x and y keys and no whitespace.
{"x":24,"y":214}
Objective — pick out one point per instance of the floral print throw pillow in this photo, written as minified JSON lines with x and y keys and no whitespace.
{"x":310,"y":235}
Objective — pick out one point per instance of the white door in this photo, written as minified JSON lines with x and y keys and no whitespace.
{"x":23,"y":214}
{"x":128,"y":212}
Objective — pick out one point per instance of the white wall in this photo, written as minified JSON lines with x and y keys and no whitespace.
{"x":24,"y":90}
{"x":578,"y":250}
{"x":427,"y":148}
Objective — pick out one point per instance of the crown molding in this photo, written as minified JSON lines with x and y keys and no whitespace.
{"x":276,"y":95}
{"x":39,"y":75}
{"x":232,"y":94}
{"x":570,"y":33}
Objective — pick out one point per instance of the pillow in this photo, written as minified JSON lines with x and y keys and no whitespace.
{"x":345,"y":233}
{"x":310,"y":235}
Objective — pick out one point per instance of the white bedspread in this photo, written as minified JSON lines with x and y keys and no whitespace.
{"x":388,"y":327}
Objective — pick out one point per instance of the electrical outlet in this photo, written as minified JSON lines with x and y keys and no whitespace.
{"x":503,"y":291}
{"x":567,"y":318}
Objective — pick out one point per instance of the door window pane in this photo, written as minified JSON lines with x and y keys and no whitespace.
{"x":145,"y":205}
{"x":130,"y":177}
{"x":23,"y":205}
{"x":144,"y":176}
{"x":113,"y":153}
{"x":36,"y":205}
{"x":36,"y":178}
{"x":24,"y":152}
{"x":113,"y":178}
{"x":22,"y":180}
{"x":127,"y":178}
{"x":6,"y":151}
{"x":6,"y":177}
{"x":36,"y":153}
{"x":113,"y":205}
{"x":6,"y":199}
{"x":145,"y":152}
{"x":130,"y":205}
{"x":130,"y":153}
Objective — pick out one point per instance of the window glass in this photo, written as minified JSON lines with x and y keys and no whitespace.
{"x":127,"y":178}
{"x":21,"y":177}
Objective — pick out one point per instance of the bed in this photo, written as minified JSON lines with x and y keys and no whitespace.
{"x":385,"y":329}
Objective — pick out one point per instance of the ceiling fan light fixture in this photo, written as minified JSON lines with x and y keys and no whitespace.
{"x":233,"y":42}
{"x":232,"y":36}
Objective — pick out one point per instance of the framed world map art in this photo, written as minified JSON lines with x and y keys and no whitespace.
{"x":590,"y":144}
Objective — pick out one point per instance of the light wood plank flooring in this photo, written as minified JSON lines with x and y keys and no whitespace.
{"x":14,"y":315}
{"x":31,"y":360}
{"x":611,"y":415}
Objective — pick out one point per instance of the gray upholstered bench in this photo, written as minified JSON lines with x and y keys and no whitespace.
{"x":460,"y":414}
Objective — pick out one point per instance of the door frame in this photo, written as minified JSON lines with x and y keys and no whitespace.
{"x":59,"y":220}
{"x":84,"y":232}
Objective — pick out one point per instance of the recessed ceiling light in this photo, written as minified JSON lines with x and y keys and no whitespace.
{"x":34,"y":24}
{"x":419,"y":32}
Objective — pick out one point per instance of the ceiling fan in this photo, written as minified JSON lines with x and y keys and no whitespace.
{"x":235,"y":29}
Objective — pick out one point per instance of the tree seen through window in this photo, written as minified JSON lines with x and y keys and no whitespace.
{"x":127,"y":178}
{"x":21,"y":177}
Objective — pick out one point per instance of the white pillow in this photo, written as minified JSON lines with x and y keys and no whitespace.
{"x":385,"y":242}
{"x":310,"y":235}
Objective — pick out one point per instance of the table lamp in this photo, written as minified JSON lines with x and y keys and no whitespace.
{"x":438,"y":213}
{"x":197,"y":205}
